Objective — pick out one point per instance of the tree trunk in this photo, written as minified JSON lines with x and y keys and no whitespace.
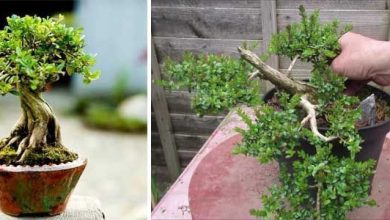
{"x":36,"y":127}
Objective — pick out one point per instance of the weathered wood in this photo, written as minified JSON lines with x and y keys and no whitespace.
{"x":163,"y":120}
{"x":277,"y":78}
{"x":184,"y":155}
{"x":180,"y":102}
{"x":299,"y":74}
{"x":192,"y":124}
{"x":332,"y":4}
{"x":269,"y":25}
{"x":175,"y":47}
{"x":183,"y":141}
{"x":284,"y":62}
{"x":371,"y":23}
{"x":208,"y":3}
{"x":79,"y":207}
{"x":220,"y":23}
{"x":161,"y":177}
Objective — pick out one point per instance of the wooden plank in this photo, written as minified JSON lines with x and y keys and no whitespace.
{"x":300,"y":74}
{"x":163,"y":120}
{"x":192,"y":124}
{"x":284,"y":63}
{"x":371,"y":23}
{"x":220,"y":23}
{"x":269,"y":24}
{"x":180,"y":102}
{"x":161,"y":178}
{"x":333,"y":4}
{"x":183,"y":141}
{"x":79,"y":207}
{"x":184,"y":155}
{"x":208,"y":3}
{"x":175,"y":47}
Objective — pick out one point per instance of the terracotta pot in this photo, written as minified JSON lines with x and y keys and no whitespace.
{"x":38,"y":190}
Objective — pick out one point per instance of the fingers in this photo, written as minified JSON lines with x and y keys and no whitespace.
{"x":344,"y":39}
{"x":382,"y":80}
{"x":338,"y":65}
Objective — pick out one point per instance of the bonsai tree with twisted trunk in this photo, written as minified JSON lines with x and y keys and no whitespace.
{"x":315,"y":183}
{"x":35,"y":52}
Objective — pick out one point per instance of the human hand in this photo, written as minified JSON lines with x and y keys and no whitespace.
{"x":363,"y":59}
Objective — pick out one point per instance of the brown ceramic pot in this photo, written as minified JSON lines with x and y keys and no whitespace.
{"x":38,"y":190}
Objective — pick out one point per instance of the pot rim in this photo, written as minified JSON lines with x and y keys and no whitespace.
{"x":80,"y":161}
{"x":360,"y":129}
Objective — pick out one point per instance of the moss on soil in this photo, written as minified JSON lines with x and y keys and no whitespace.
{"x":40,"y":156}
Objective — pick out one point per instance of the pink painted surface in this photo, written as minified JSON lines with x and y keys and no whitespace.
{"x":218,"y":185}
{"x":223,"y":183}
{"x":175,"y":203}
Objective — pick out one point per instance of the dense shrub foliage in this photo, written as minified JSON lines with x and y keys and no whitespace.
{"x":339,"y":184}
{"x":35,"y":51}
{"x":319,"y":185}
{"x":218,"y":82}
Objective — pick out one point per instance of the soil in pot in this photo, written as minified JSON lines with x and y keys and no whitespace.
{"x":39,"y":156}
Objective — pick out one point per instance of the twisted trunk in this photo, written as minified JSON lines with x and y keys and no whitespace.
{"x":36,"y":127}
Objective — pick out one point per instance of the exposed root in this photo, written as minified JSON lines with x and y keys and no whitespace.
{"x":311,"y":118}
{"x":37,"y":127}
{"x":22,"y":145}
{"x":289,"y":74}
{"x":14,"y":140}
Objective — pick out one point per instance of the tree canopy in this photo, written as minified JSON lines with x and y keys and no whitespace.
{"x":35,"y":51}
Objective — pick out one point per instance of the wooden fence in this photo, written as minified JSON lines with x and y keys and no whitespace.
{"x":220,"y":26}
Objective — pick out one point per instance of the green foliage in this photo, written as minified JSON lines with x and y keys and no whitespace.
{"x":35,"y":51}
{"x":276,"y":129}
{"x":219,"y":82}
{"x":310,"y":40}
{"x":277,"y":135}
{"x":106,"y":117}
{"x":342,"y":183}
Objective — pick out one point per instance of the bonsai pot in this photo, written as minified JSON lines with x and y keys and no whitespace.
{"x":38,"y":190}
{"x":373,"y":136}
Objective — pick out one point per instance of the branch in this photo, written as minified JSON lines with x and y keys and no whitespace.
{"x":291,"y":66}
{"x":311,"y":118}
{"x":277,"y":78}
{"x":318,"y":204}
{"x":254,"y":74}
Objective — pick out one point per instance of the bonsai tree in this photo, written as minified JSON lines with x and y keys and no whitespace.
{"x":35,"y":52}
{"x":319,"y":185}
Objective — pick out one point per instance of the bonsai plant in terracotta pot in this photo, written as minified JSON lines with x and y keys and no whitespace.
{"x":326,"y":148}
{"x":37,"y":172}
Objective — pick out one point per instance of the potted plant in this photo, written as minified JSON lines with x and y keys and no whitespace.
{"x":37,"y":172}
{"x":326,"y":150}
